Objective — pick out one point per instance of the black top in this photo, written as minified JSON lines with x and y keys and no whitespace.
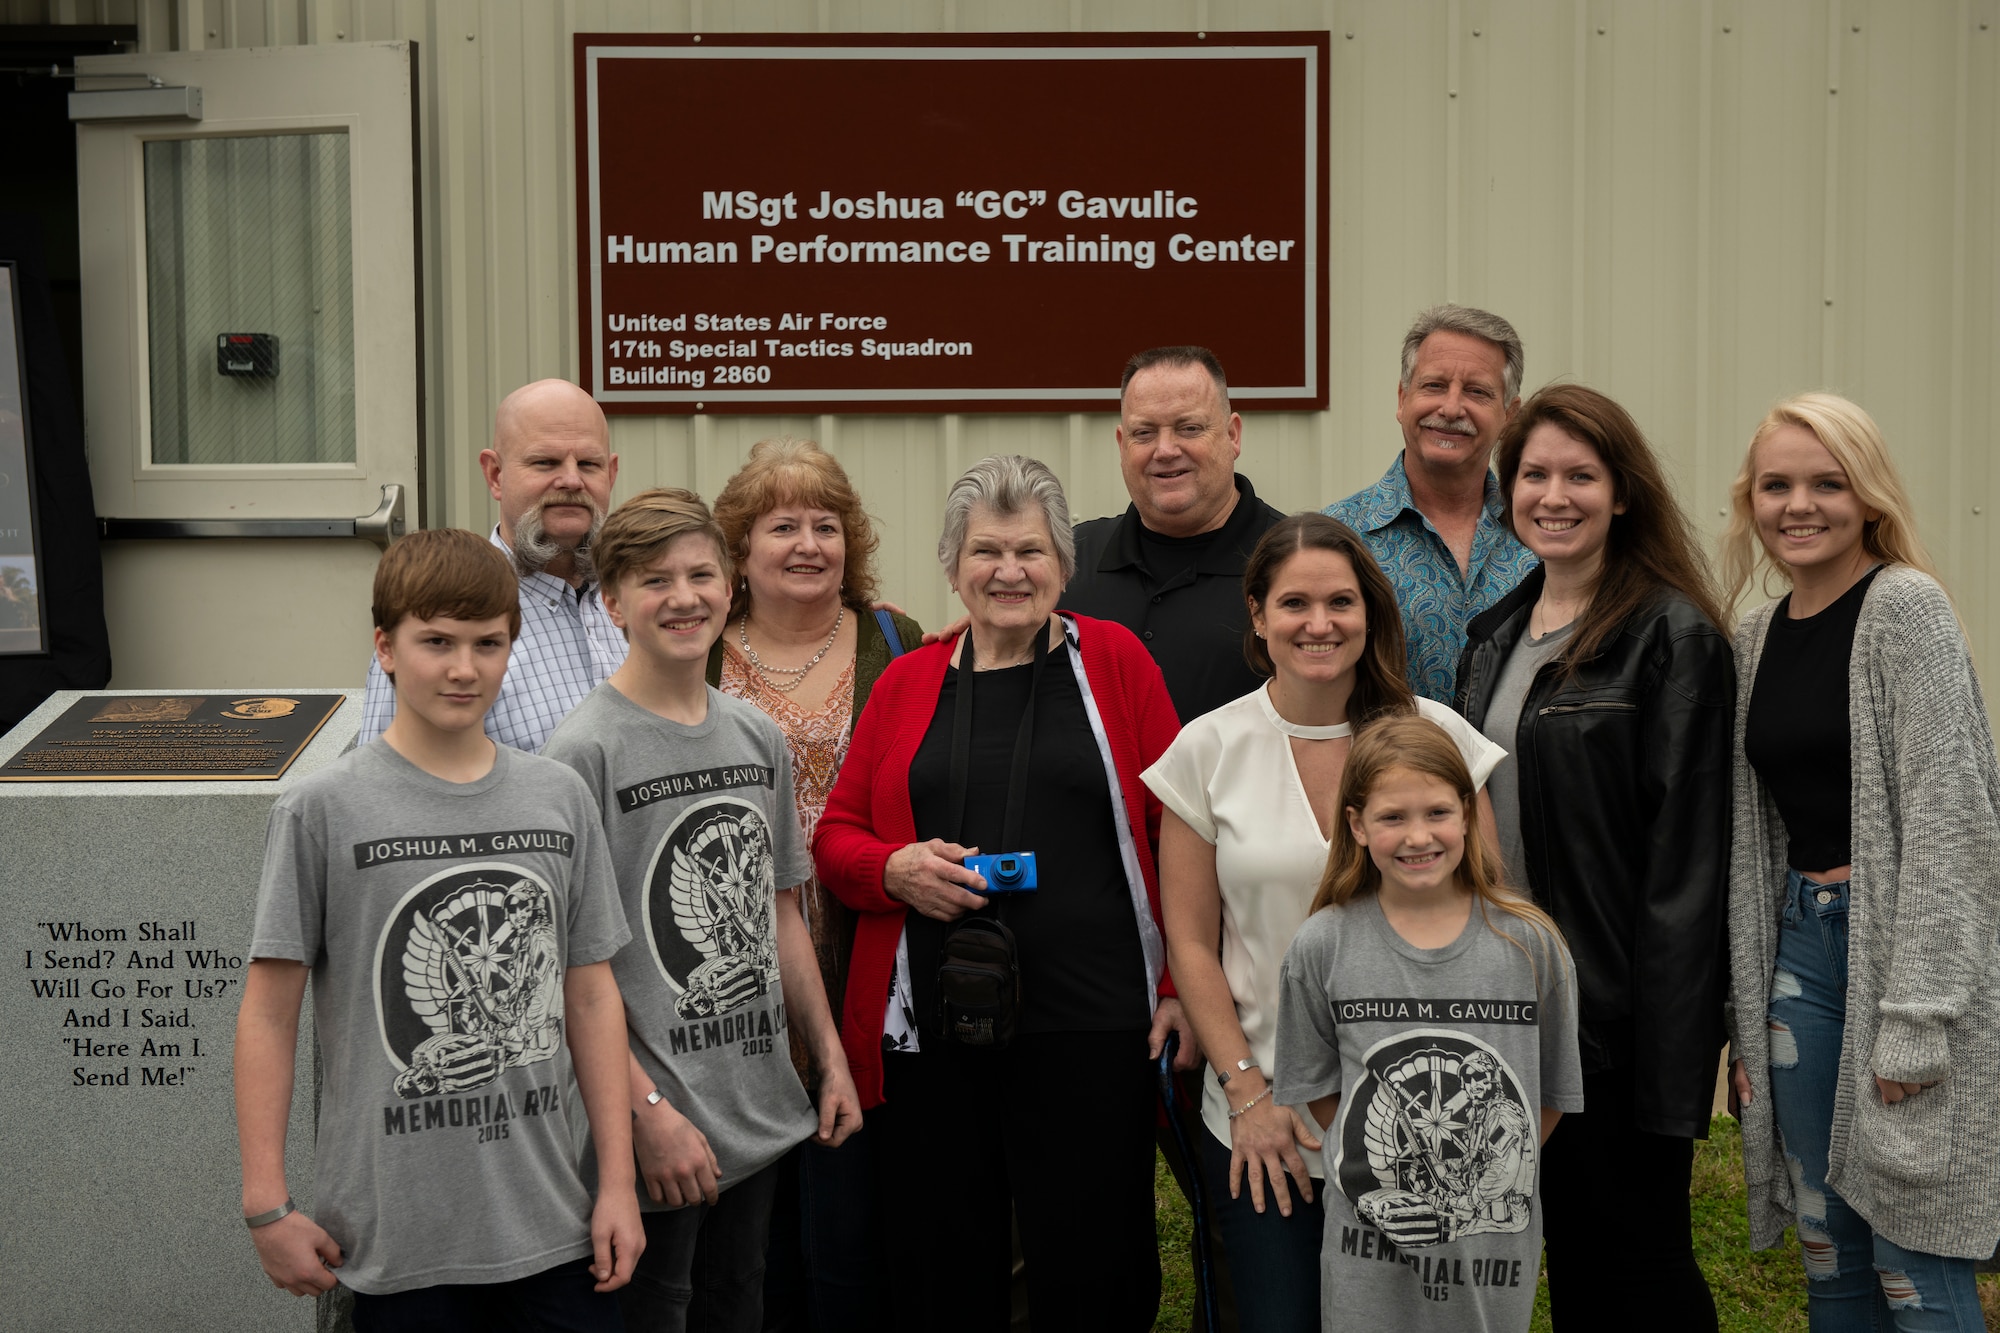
{"x":1183,"y":597}
{"x":1172,"y":561}
{"x":1797,"y":734}
{"x":1082,"y":969}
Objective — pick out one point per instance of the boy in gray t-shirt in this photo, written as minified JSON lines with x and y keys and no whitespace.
{"x":1443,"y":1060}
{"x":695,"y":792}
{"x":453,"y":904}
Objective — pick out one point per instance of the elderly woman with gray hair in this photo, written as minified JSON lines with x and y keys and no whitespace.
{"x":1003,"y":1009}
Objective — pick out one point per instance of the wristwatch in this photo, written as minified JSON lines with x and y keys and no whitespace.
{"x":1243,"y":1066}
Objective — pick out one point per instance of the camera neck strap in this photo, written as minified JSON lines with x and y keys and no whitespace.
{"x":961,"y":744}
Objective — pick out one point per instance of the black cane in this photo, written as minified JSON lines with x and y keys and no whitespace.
{"x":1204,"y":1279}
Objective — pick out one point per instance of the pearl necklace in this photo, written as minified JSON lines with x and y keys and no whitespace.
{"x":797,"y":674}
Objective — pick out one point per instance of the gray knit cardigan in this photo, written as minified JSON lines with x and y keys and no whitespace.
{"x":1923,"y":978}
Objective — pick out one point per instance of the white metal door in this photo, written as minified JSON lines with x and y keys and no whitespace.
{"x":251,"y":343}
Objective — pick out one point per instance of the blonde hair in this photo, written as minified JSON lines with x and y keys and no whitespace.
{"x":785,"y":471}
{"x":644,"y":525}
{"x":1419,"y":745}
{"x":1856,"y":443}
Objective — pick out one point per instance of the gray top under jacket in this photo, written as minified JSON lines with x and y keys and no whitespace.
{"x":1923,"y":964}
{"x":1503,"y":727}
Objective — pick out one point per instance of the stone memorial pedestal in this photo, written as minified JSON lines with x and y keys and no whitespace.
{"x":126,"y":910}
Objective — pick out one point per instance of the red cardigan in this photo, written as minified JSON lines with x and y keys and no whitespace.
{"x":868,"y":815}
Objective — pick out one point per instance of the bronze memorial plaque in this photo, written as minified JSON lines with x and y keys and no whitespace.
{"x":173,"y":737}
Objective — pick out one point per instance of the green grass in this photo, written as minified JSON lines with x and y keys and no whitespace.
{"x":1755,"y":1292}
{"x":1765,"y":1289}
{"x":1173,"y":1222}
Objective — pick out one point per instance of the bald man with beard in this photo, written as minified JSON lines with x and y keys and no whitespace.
{"x":551,"y":469}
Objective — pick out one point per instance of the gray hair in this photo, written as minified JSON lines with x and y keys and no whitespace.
{"x":1007,"y":484}
{"x":534,"y":550}
{"x":1475,"y":323}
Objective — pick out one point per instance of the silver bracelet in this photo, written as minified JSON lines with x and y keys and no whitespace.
{"x":265,"y":1219}
{"x":1243,"y":1066}
{"x":1252,"y":1102}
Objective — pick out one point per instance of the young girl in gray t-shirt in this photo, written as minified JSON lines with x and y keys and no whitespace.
{"x":1427,"y":1020}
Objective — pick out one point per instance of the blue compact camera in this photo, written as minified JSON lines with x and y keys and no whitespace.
{"x":1005,"y":872}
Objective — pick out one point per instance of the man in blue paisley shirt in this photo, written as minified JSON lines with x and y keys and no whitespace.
{"x":1434,"y":520}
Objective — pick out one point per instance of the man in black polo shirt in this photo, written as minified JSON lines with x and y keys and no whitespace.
{"x":1170,"y":568}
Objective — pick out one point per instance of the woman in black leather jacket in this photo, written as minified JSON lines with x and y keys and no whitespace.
{"x":1606,"y":678}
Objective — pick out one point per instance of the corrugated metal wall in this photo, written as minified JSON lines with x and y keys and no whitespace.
{"x":1696,"y":205}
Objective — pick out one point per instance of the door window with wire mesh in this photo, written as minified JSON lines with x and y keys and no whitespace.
{"x":250,"y":300}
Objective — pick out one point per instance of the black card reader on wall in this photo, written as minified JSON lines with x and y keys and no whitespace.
{"x":246,"y":353}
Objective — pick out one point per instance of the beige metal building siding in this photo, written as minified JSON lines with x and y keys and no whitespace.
{"x":1697,"y":206}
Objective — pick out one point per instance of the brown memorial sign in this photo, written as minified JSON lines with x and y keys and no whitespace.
{"x":871,"y":223}
{"x":173,"y":737}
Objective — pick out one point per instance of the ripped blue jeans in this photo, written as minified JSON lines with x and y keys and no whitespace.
{"x":1856,"y":1280}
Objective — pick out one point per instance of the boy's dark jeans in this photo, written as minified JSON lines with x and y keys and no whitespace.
{"x":555,"y":1300}
{"x":703,"y":1269}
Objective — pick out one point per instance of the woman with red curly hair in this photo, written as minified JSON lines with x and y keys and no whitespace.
{"x":803,"y":645}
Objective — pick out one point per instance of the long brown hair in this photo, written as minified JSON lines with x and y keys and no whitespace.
{"x":1421,"y":746}
{"x":1380,"y":685}
{"x":1651,"y":547}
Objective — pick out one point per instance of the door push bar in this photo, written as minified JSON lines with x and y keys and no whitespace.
{"x":382,"y":527}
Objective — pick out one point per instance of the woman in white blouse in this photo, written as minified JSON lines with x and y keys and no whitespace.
{"x":1249,"y":791}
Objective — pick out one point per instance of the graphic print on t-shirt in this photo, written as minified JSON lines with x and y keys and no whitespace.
{"x":708,"y":907}
{"x":1436,"y":1141}
{"x":469,"y":979}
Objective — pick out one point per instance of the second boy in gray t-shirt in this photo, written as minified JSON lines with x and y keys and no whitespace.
{"x":695,"y":791}
{"x":703,"y":834}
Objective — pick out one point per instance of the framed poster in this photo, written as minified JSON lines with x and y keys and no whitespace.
{"x":23,"y":623}
{"x":930,"y":222}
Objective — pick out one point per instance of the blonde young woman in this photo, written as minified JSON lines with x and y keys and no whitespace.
{"x":1864,"y":887}
{"x":803,"y":645}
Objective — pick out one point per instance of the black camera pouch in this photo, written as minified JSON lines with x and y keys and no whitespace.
{"x":979,"y":970}
{"x":979,"y":984}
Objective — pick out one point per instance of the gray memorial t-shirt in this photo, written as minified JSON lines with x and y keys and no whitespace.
{"x":704,"y":833}
{"x":438,"y":919}
{"x":1443,"y":1059}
